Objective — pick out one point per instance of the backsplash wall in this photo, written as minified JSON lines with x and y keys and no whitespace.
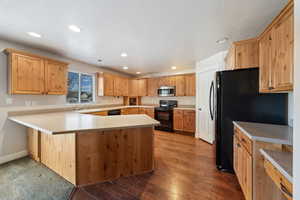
{"x":28,"y":100}
{"x":181,"y":100}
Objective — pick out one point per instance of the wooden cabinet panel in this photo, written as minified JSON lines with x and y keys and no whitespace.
{"x":27,"y":75}
{"x":163,"y":81}
{"x":108,"y":80}
{"x":277,"y":53}
{"x":190,"y":85}
{"x":265,"y":66}
{"x":150,"y":112}
{"x":33,"y":144}
{"x":189,"y":121}
{"x":124,"y":86}
{"x":133,"y":88}
{"x":178,"y":120}
{"x":101,"y":113}
{"x":142,"y":87}
{"x":56,"y":78}
{"x":246,"y":54}
{"x":152,"y":87}
{"x":180,"y":85}
{"x":283,"y":52}
{"x":230,"y":58}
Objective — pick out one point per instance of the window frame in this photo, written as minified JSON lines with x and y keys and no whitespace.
{"x":79,"y":87}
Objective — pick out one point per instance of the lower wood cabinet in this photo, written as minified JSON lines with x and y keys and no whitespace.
{"x":249,"y":168}
{"x":147,"y":111}
{"x":130,"y":111}
{"x":184,"y":120}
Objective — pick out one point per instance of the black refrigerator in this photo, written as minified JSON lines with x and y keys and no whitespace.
{"x":238,"y":99}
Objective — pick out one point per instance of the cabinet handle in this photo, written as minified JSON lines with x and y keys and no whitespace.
{"x":285,"y":191}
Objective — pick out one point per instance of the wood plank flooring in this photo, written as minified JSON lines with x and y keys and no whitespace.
{"x":185,"y":170}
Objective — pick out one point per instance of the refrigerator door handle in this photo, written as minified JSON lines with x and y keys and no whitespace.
{"x":211,"y":95}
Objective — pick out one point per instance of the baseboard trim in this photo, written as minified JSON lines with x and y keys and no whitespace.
{"x":14,"y":156}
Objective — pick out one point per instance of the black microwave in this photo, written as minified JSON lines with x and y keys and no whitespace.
{"x":166,"y":91}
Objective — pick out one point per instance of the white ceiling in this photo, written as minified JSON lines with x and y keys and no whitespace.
{"x":156,"y":34}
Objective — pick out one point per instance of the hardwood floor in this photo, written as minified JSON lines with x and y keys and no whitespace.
{"x":185,"y":170}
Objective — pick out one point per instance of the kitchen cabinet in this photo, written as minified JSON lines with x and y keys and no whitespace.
{"x":152,"y":86}
{"x":108,"y":84}
{"x":150,"y":112}
{"x":184,"y":120}
{"x":33,"y":74}
{"x":55,"y":78}
{"x":249,"y":167}
{"x":112,"y":85}
{"x":120,"y":86}
{"x":178,"y":120}
{"x":243,"y":54}
{"x":190,"y":85}
{"x":138,"y":87}
{"x":100,"y":113}
{"x":277,"y":66}
{"x":180,"y":85}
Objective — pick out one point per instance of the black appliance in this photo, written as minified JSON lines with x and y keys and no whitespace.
{"x":238,"y":99}
{"x":114,"y":112}
{"x":164,"y":114}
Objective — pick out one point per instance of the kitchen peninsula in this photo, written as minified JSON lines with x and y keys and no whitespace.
{"x":86,"y":149}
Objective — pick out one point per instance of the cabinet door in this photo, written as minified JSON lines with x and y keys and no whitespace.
{"x":124,"y":86}
{"x":190,"y":85}
{"x":180,"y":85}
{"x":56,"y":78}
{"x":152,"y":85}
{"x":108,"y":85}
{"x":163,"y":81}
{"x":230,"y":59}
{"x":178,"y":120}
{"x":142,"y":87}
{"x":265,"y":65}
{"x":246,"y":54}
{"x":189,"y":121}
{"x":246,"y":173}
{"x":27,"y":75}
{"x":133,"y":88}
{"x":283,"y":48}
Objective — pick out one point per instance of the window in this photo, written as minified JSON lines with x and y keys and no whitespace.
{"x":81,"y":88}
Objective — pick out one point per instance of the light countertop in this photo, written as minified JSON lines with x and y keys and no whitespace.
{"x":282,"y":161}
{"x":70,"y":122}
{"x":267,"y":132}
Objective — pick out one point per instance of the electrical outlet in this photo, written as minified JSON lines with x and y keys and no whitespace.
{"x":9,"y":101}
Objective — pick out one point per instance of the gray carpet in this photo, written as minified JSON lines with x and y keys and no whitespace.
{"x":25,"y":179}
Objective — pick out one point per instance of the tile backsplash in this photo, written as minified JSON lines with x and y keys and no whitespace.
{"x":181,"y":100}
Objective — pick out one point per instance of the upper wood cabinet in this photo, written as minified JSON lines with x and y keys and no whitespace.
{"x":190,"y":85}
{"x":55,"y":78}
{"x":138,"y":87}
{"x":243,"y":54}
{"x":152,"y":85}
{"x":180,"y":85}
{"x":33,"y":74}
{"x":112,"y":85}
{"x":276,"y":47}
{"x":142,"y":87}
{"x":108,"y":84}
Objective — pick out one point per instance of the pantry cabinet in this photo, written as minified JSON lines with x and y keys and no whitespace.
{"x":276,"y":47}
{"x":243,"y":54}
{"x":34,"y":74}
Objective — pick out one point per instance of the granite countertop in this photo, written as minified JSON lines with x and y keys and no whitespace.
{"x":282,"y":161}
{"x":267,"y":132}
{"x":70,"y":122}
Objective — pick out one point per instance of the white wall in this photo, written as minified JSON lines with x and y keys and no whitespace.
{"x":296,"y":159}
{"x":13,"y":136}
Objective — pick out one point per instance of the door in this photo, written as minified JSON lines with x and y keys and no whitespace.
{"x":206,"y":106}
{"x":56,"y":78}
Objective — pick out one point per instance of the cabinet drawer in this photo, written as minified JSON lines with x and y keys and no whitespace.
{"x":280,"y":181}
{"x":244,"y":140}
{"x":178,"y":112}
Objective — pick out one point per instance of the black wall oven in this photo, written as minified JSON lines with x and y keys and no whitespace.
{"x":164,"y":114}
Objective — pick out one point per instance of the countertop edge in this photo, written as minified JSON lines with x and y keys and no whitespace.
{"x":262,"y":139}
{"x":276,"y":165}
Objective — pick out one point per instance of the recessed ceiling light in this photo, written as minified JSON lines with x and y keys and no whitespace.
{"x":222,"y":40}
{"x":33,"y":34}
{"x":174,"y":67}
{"x":124,"y":55}
{"x":74,"y":28}
{"x":125,"y":67}
{"x":138,"y":72}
